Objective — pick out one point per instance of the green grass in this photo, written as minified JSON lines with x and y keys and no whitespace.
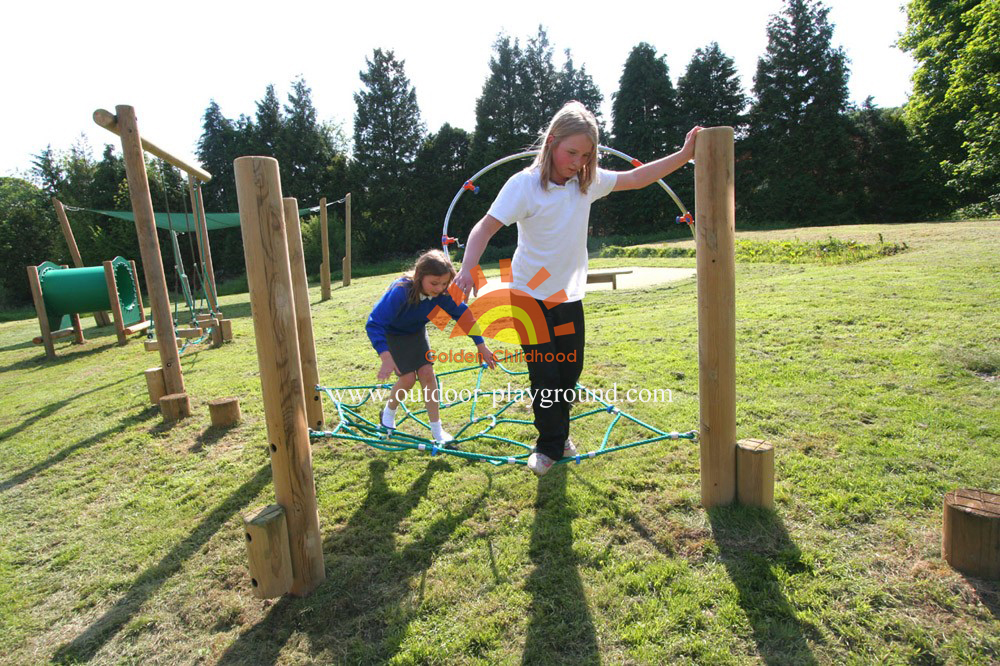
{"x":121,"y":536}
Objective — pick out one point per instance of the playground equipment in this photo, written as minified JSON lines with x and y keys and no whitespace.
{"x":470,"y":186}
{"x":61,"y":294}
{"x":100,"y":318}
{"x":285,"y":391}
{"x":324,"y":270}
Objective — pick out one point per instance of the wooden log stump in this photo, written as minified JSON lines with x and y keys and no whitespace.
{"x":226,"y":326}
{"x":216,"y":336}
{"x":268,"y":553}
{"x":225,"y":411}
{"x":755,"y":473}
{"x":971,"y":532}
{"x":175,"y":406}
{"x":156,"y":383}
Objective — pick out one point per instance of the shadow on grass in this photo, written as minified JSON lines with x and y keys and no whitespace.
{"x":988,"y":592}
{"x":71,"y":352}
{"x":361,"y":613}
{"x":753,"y":543}
{"x":560,"y":629}
{"x":210,"y":436}
{"x":85,"y":646}
{"x":45,"y":411}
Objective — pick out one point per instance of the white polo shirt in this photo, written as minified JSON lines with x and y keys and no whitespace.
{"x":551,"y":230}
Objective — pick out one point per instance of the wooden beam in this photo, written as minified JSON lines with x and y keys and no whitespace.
{"x":149,"y":247}
{"x":716,"y":257}
{"x":324,"y":270}
{"x":204,"y":246}
{"x":347,"y":240}
{"x":100,"y":318}
{"x":258,"y":191}
{"x":43,"y":317}
{"x":110,"y":122}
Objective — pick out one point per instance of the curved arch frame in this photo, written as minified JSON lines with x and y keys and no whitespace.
{"x":470,"y":185}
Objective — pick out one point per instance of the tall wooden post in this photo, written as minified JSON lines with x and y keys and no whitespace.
{"x":303,"y":317}
{"x":204,"y":246}
{"x":347,"y":240}
{"x":258,"y":191}
{"x":43,"y":318}
{"x":100,"y":318}
{"x":149,"y":248}
{"x":715,"y":205}
{"x":324,"y":270}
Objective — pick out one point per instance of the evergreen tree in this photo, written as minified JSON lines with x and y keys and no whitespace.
{"x":955,"y":105}
{"x":800,"y":155}
{"x":500,"y":126}
{"x":28,"y":236}
{"x":645,"y":124}
{"x":216,"y":152}
{"x":267,"y":130}
{"x":440,"y":170}
{"x":896,"y":176}
{"x":388,"y":133}
{"x":577,"y":84}
{"x":710,"y":93}
{"x":307,"y":148}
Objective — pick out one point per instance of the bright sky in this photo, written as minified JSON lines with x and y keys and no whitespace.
{"x":62,"y":59}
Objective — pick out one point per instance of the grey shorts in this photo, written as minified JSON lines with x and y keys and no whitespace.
{"x":409,"y":352}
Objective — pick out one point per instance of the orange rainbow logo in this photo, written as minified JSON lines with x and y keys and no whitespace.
{"x":504,"y":314}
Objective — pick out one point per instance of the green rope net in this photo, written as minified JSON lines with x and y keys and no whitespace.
{"x":353,"y":426}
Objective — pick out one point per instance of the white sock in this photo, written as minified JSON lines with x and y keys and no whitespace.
{"x":388,"y":418}
{"x":438,"y":433}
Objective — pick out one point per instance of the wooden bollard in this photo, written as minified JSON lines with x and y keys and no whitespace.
{"x":716,"y":257}
{"x":226,"y":326}
{"x":224,"y":411}
{"x":175,"y":406}
{"x":971,"y":532}
{"x":216,"y":335}
{"x":755,"y":473}
{"x":268,"y":555}
{"x":156,"y":384}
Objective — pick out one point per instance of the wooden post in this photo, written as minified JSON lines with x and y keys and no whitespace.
{"x":175,"y":406}
{"x":155,"y":385}
{"x":258,"y":190}
{"x":226,"y":326}
{"x":116,"y":307}
{"x":755,"y":473}
{"x":715,"y":251}
{"x":303,"y":317}
{"x":347,"y":240}
{"x":324,"y":270}
{"x":112,"y":123}
{"x":204,"y":246}
{"x":224,"y":411}
{"x":138,"y":291}
{"x":970,"y":535}
{"x":149,"y":247}
{"x":43,"y":318}
{"x":100,"y":318}
{"x":268,"y":552}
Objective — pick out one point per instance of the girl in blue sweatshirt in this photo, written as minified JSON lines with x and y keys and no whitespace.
{"x":397,"y":330}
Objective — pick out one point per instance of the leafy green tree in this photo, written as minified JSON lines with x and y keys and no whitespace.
{"x":800,"y":157}
{"x":28,"y":235}
{"x":645,"y":124}
{"x":710,"y":93}
{"x":896,"y":176}
{"x":217,"y":148}
{"x":577,"y":84}
{"x":955,"y":105}
{"x":388,"y":133}
{"x":306,"y":148}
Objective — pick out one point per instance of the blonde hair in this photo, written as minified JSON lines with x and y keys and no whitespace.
{"x":574,"y":118}
{"x":432,"y":262}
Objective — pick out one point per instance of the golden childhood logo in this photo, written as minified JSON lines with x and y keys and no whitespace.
{"x":504,"y":314}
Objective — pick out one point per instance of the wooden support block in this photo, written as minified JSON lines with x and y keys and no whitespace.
{"x":175,"y":406}
{"x":755,"y":473}
{"x":188,"y":333}
{"x":971,"y":532}
{"x":216,"y":336}
{"x":225,"y":411}
{"x":226,"y":325}
{"x":151,"y":345}
{"x":268,"y":554}
{"x":156,"y":384}
{"x":56,"y":335}
{"x":205,"y":319}
{"x":137,"y":327}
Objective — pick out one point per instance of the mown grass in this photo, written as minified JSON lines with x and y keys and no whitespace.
{"x":121,"y":538}
{"x":829,"y":251}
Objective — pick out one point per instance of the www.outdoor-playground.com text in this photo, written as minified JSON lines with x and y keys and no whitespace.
{"x":546,"y":397}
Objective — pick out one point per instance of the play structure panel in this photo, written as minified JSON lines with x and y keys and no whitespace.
{"x":61,"y":294}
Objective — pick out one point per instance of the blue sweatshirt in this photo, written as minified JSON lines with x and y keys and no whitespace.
{"x":393,"y":315}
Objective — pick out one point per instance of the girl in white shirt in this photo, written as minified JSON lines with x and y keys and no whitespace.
{"x":550,"y":202}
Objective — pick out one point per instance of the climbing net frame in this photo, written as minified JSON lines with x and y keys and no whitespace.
{"x":352,"y":426}
{"x":470,"y":186}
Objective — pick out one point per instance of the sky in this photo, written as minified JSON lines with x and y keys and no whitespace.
{"x":64,"y":59}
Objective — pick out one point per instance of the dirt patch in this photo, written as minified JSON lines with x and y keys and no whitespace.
{"x":643,"y":276}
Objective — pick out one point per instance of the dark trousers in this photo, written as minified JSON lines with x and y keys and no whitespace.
{"x":554,"y":377}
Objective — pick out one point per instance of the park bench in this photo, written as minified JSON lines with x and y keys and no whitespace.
{"x":610,"y":275}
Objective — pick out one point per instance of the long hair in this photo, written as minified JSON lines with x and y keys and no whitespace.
{"x":432,"y":262}
{"x":574,"y":118}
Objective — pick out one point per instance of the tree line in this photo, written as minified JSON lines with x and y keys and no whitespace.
{"x":806,"y":156}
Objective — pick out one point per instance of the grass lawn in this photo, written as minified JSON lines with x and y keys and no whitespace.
{"x":121,"y":537}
